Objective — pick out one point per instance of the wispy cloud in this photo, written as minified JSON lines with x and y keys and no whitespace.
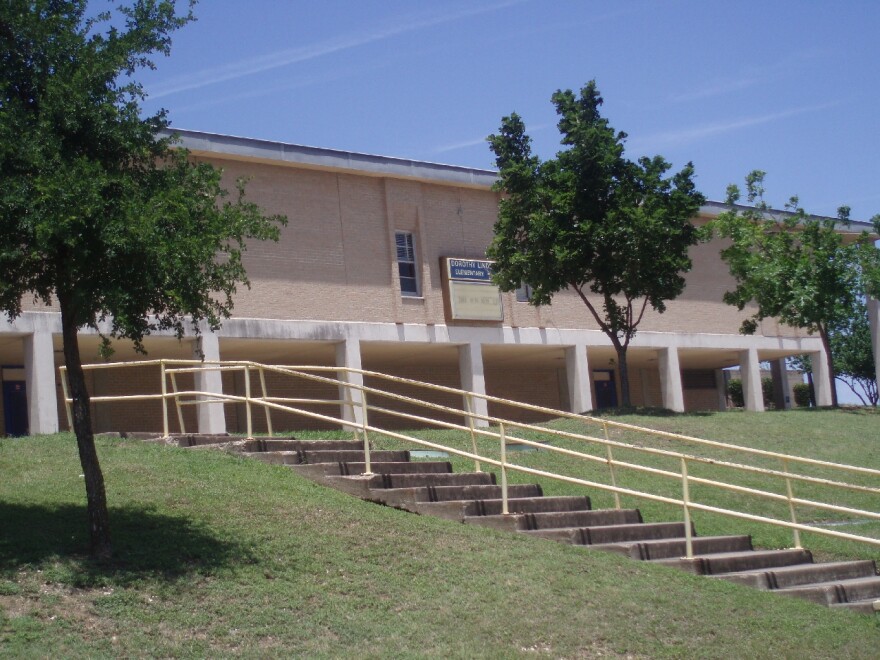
{"x":752,"y":77}
{"x":254,"y":65}
{"x":717,"y":89}
{"x":696,"y":133}
{"x":464,"y":144}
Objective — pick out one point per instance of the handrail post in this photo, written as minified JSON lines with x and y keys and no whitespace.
{"x":177,"y":402}
{"x":789,"y":492}
{"x":504,"y":507}
{"x":469,"y":407}
{"x":611,"y":466}
{"x":686,"y":498}
{"x":368,"y":469}
{"x":265,"y":407}
{"x":247,"y":401}
{"x":67,"y":406}
{"x":164,"y":400}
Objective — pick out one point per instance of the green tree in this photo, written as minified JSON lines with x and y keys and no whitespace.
{"x":853,"y":355}
{"x":615,"y":232}
{"x":793,"y":266}
{"x":97,"y":213}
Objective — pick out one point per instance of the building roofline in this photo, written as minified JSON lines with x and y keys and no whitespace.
{"x":713,"y":209}
{"x":318,"y":157}
{"x":218,"y":145}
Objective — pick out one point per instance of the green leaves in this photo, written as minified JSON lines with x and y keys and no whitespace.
{"x":96,"y":208}
{"x":591,"y":220}
{"x":804,"y":270}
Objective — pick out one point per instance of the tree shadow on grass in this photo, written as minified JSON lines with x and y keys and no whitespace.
{"x":147,"y":545}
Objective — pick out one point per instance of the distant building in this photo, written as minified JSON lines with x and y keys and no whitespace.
{"x":382,"y":266}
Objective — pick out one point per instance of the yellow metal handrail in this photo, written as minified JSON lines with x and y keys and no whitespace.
{"x":473,"y":424}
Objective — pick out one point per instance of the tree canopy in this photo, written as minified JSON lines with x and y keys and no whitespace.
{"x":99,"y":214}
{"x":853,"y":355}
{"x":614,"y":231}
{"x":798,"y":268}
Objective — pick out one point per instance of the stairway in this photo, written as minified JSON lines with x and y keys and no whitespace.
{"x":432,"y":488}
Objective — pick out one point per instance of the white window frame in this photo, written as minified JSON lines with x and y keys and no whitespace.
{"x":407,"y":264}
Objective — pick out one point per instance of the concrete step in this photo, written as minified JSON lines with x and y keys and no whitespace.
{"x":352,"y":456}
{"x":793,"y":576}
{"x":432,"y":479}
{"x":862,"y":607}
{"x":195,"y":439}
{"x":275,"y":457}
{"x":418,"y":494}
{"x":556,"y":519}
{"x":461,"y":509}
{"x":604,"y":534}
{"x":398,"y":467}
{"x":838,"y":591}
{"x":738,"y":561}
{"x":673,"y":548}
{"x":292,"y":444}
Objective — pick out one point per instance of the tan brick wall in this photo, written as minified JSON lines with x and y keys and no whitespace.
{"x":541,"y":387}
{"x":135,"y":415}
{"x":701,"y":399}
{"x":334,"y":261}
{"x":446,"y":376}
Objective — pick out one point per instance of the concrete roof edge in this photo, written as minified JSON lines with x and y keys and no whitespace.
{"x":332,"y":158}
{"x":298,"y":154}
{"x":713,"y":209}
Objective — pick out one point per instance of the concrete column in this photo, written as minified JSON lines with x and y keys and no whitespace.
{"x":577,"y":370}
{"x":821,"y":378}
{"x":782,"y":393}
{"x":211,"y":418}
{"x":39,"y":374}
{"x":750,"y":370}
{"x":670,"y":379}
{"x":874,"y":319}
{"x":721,"y":388}
{"x":470,"y":366}
{"x":348,"y":355}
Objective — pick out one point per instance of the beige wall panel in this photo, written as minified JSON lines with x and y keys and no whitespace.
{"x":701,"y":399}
{"x":540,"y":387}
{"x":447,"y":376}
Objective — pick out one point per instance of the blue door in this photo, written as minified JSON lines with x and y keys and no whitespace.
{"x":15,"y":409}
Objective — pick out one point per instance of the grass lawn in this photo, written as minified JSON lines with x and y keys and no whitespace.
{"x":220,"y":556}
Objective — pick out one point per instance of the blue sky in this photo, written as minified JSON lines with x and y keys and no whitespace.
{"x":787,"y":87}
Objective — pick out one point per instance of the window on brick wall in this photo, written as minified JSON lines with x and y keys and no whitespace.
{"x":524,"y":293}
{"x":406,"y":263}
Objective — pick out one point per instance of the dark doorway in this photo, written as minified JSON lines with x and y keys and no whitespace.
{"x":15,"y":408}
{"x":606,"y":390}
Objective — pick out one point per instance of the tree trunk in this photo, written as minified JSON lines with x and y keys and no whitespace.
{"x":829,"y":360}
{"x":99,"y":521}
{"x":624,"y":376}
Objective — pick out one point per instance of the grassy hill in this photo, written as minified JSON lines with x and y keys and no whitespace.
{"x":219,"y":556}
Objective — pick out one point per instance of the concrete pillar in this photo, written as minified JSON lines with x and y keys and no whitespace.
{"x":721,"y":388}
{"x":670,"y":379}
{"x":470,"y":366}
{"x":577,"y":370}
{"x":782,"y":393}
{"x":39,"y":375}
{"x":821,"y":378}
{"x":874,"y":319}
{"x":750,"y":370}
{"x":211,"y":418}
{"x":348,"y":355}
